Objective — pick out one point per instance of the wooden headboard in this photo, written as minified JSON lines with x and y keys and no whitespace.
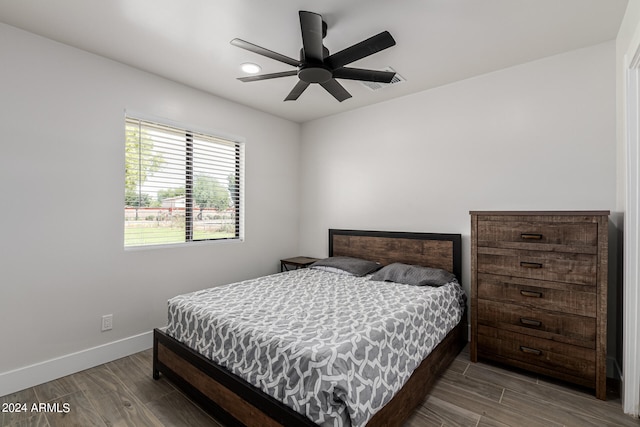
{"x":436,"y":250}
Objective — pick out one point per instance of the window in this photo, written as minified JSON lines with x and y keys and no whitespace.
{"x":180,"y":185}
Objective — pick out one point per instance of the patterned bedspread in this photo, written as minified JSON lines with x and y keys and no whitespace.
{"x":333,"y":347}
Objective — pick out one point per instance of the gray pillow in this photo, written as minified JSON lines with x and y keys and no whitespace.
{"x":413,"y":275}
{"x":348,"y":265}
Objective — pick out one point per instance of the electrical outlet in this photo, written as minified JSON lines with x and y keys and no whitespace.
{"x":107,"y":322}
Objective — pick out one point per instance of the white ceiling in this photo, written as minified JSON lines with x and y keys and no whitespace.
{"x":438,"y":41}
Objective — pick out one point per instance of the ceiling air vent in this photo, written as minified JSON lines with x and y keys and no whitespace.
{"x":377,"y":86}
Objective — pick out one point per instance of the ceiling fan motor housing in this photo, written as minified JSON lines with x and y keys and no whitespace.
{"x":315,"y":74}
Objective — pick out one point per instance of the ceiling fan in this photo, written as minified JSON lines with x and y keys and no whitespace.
{"x":317,"y":66}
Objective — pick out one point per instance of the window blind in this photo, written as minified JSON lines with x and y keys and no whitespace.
{"x":180,"y":185}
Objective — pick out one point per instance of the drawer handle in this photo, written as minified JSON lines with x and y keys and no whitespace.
{"x":530,"y":350}
{"x":531,"y":236}
{"x":530,"y":264}
{"x":531,"y":294}
{"x":530,"y":322}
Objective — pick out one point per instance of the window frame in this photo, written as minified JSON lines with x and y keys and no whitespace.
{"x":191,"y":133}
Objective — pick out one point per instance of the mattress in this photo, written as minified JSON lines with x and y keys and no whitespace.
{"x":334,"y":347}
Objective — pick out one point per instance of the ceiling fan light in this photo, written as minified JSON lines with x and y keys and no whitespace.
{"x":250,"y":68}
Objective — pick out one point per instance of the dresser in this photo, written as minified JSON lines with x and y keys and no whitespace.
{"x":539,"y":292}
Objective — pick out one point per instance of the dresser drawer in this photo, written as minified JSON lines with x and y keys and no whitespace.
{"x":554,"y":296}
{"x":554,"y":266}
{"x":568,"y":237}
{"x":553,"y":356}
{"x":557,"y":326}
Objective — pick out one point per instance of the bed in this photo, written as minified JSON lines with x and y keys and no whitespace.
{"x":235,"y":401}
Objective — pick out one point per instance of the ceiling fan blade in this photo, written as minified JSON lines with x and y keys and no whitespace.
{"x":364,"y":75}
{"x":268,"y":76}
{"x":336,"y":89}
{"x":311,"y":26}
{"x":360,"y":50}
{"x":264,"y":52}
{"x":297,"y":91}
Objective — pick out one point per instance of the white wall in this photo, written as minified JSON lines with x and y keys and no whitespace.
{"x":539,"y":136}
{"x":61,"y":145}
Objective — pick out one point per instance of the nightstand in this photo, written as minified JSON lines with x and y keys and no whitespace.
{"x":296,"y":263}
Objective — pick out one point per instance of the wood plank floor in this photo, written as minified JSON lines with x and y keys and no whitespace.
{"x":122,"y":393}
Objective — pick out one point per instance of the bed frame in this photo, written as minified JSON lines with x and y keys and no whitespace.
{"x":235,"y":402}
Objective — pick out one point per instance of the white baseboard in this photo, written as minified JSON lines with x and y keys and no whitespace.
{"x":42,"y":372}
